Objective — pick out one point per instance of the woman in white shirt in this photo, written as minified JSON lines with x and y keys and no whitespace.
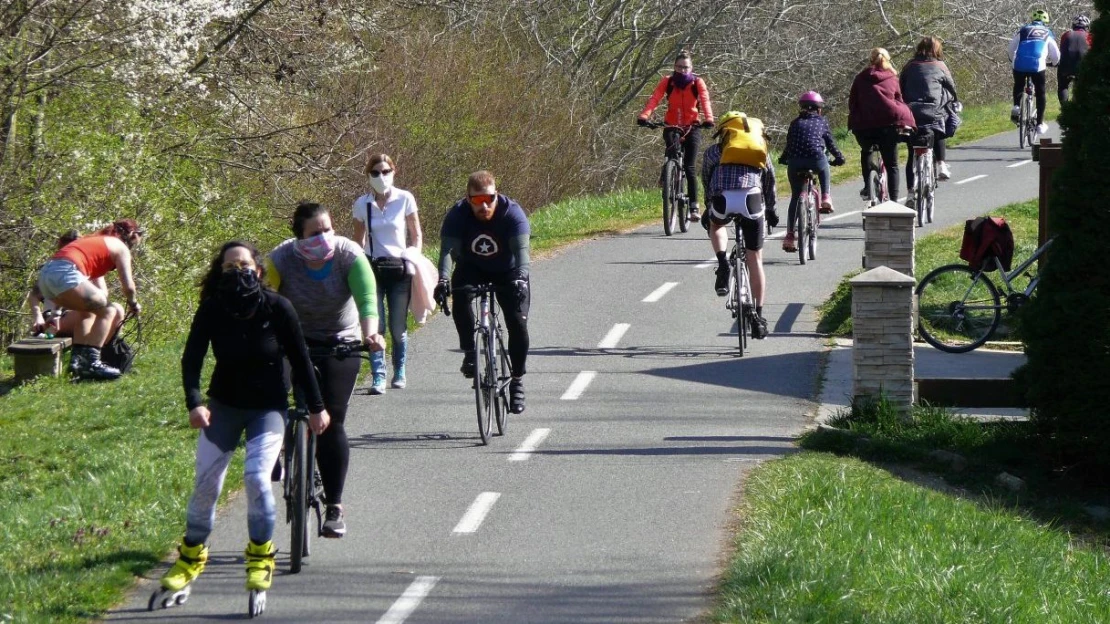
{"x":386,"y":222}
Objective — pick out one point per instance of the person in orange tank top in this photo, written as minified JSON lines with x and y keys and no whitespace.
{"x":62,"y":323}
{"x":687,"y":97}
{"x":67,"y":280}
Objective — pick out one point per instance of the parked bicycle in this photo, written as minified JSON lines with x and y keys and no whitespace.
{"x":672,"y":179}
{"x":809,"y":218}
{"x":740,"y":302}
{"x":302,"y":486}
{"x":1027,"y":116}
{"x":925,"y":175}
{"x":959,"y":309}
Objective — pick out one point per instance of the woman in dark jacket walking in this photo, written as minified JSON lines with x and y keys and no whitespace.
{"x":876,"y":114}
{"x":929,"y":91}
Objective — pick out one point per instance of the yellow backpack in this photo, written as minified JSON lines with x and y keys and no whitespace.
{"x":741,"y":140}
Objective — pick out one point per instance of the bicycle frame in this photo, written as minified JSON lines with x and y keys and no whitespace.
{"x":739,"y":301}
{"x":488,"y":330}
{"x":924,"y":168}
{"x":675,"y":200}
{"x":1008,"y":278}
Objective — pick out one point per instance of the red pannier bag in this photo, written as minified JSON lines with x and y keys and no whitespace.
{"x":987,"y":237}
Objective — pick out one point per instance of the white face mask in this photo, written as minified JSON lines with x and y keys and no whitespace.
{"x":383,"y":183}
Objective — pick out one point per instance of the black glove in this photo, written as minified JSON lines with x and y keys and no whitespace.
{"x":838,"y":161}
{"x":707,"y":124}
{"x":643,"y":123}
{"x":441,"y":293}
{"x":772,"y":216}
{"x":519,"y":280}
{"x":782,"y":160}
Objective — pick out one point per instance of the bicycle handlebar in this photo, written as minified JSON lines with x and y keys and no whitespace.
{"x":340,"y":351}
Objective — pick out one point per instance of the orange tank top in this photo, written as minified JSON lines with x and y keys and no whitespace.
{"x":89,"y":254}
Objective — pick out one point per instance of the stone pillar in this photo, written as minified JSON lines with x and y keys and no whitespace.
{"x":888,"y":233}
{"x":882,"y":329}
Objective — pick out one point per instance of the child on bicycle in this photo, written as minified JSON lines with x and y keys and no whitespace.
{"x":806,"y":141}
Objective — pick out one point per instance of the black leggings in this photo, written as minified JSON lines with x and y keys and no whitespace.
{"x":513,"y":301}
{"x":887,"y":140}
{"x":333,"y":451}
{"x":690,"y":148}
{"x":1038,"y":87}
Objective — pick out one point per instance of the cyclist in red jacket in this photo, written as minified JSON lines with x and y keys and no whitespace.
{"x":687,"y":97}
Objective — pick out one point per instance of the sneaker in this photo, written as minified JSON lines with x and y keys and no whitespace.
{"x":943,"y":171}
{"x":788,"y":243}
{"x":333,"y":522}
{"x":260,"y":565}
{"x":377,"y":387}
{"x":468,"y":367}
{"x":721,"y":283}
{"x":516,"y":395}
{"x":190,"y":563}
{"x":759,"y":327}
{"x":694,"y":214}
{"x":90,"y":367}
{"x":1015,"y":114}
{"x":399,"y":382}
{"x":826,"y":205}
{"x":1042,"y":128}
{"x":863,"y":194}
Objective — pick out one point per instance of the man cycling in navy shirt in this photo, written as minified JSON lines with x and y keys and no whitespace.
{"x":1030,"y":49}
{"x":486,"y":236}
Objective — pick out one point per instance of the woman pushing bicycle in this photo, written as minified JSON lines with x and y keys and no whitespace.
{"x":686,"y":95}
{"x":251,"y":330}
{"x":329,"y":281}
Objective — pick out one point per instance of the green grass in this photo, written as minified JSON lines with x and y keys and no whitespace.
{"x":829,"y":539}
{"x":579,"y":218}
{"x":930,"y":252}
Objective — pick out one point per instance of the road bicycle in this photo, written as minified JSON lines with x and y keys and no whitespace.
{"x":876,"y":176}
{"x":740,"y":302}
{"x":959,"y":309}
{"x":672,"y":179}
{"x":492,"y":372}
{"x":925,"y":175}
{"x":302,"y":487}
{"x":1027,"y":116}
{"x":809,"y":217}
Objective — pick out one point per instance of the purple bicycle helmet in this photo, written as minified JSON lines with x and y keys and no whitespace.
{"x":811,"y":99}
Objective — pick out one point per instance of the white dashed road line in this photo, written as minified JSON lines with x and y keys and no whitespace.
{"x":706,"y":264}
{"x":1018,"y":164}
{"x":474,"y":516}
{"x":840,"y":216}
{"x":972,"y":179}
{"x":614,"y":336}
{"x":658,"y":293}
{"x":410,"y":600}
{"x":578,"y":386}
{"x":530,"y":444}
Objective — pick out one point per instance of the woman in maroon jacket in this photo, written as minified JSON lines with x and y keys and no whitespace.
{"x":876,"y":115}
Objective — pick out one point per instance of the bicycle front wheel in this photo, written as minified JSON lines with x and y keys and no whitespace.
{"x":670,"y":197}
{"x":299,"y":476}
{"x":801,"y":226}
{"x":957,"y":309}
{"x":736,"y":283}
{"x":483,"y":376}
{"x":683,"y":204}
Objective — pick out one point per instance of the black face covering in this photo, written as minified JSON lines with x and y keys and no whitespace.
{"x":240,"y":292}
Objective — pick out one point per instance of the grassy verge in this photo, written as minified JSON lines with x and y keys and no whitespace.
{"x":936,"y":249}
{"x":829,"y":539}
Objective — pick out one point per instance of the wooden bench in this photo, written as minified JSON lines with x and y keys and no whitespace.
{"x":38,"y":356}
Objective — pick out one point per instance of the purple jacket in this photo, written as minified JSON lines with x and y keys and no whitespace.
{"x":875,"y":101}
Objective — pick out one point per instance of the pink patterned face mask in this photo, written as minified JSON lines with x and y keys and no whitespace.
{"x":319,"y":248}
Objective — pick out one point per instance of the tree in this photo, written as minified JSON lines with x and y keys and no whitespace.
{"x":1067,"y":325}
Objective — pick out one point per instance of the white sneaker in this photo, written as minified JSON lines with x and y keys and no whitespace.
{"x":943,"y":172}
{"x":1042,"y":128}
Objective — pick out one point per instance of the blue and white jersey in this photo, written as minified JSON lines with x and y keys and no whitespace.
{"x":1032,"y":47}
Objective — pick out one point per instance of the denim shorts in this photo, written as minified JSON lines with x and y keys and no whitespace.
{"x":58,"y":276}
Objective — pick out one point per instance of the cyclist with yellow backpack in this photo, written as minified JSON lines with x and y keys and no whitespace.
{"x":686,"y":95}
{"x":740,"y":184}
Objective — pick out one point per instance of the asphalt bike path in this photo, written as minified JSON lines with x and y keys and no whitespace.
{"x":609,"y":499}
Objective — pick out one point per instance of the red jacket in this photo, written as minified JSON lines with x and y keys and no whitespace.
{"x":682,"y":106}
{"x":876,"y":101}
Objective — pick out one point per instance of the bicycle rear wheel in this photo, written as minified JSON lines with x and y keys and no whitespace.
{"x":957,"y":309}
{"x":501,"y":393}
{"x":736,"y":285}
{"x":299,"y":478}
{"x":814,"y":224}
{"x":802,"y":225}
{"x":874,"y":188}
{"x":744,"y":325}
{"x":1023,"y":119}
{"x":670,"y":186}
{"x":931,"y":198}
{"x":483,"y":374}
{"x":918,"y":190}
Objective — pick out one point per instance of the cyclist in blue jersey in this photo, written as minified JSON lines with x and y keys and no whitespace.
{"x":486,"y":236}
{"x":1031,"y":49}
